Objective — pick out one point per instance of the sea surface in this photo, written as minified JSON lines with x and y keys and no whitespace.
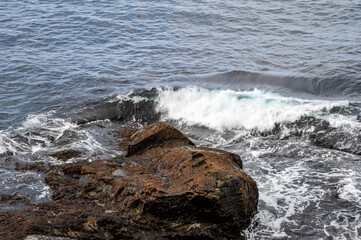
{"x":277,"y":82}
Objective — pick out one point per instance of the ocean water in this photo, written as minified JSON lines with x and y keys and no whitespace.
{"x":277,"y":82}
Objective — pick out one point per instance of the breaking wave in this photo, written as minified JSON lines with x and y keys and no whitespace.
{"x":228,"y":109}
{"x":328,"y":124}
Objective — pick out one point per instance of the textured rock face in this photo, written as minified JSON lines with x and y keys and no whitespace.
{"x":165,"y":188}
{"x":156,"y":135}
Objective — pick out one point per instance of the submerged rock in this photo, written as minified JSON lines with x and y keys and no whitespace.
{"x":165,"y":187}
{"x":66,"y":154}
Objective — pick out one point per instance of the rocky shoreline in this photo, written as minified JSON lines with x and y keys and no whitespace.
{"x":164,"y":187}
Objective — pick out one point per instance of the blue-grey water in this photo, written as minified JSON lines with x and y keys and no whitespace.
{"x":278,"y":82}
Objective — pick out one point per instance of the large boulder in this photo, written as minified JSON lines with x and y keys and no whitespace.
{"x":156,"y":135}
{"x":166,"y":187}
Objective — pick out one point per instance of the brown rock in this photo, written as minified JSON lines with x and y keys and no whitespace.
{"x":188,"y":184}
{"x":165,"y":188}
{"x":156,"y":135}
{"x":66,"y":154}
{"x":14,"y":199}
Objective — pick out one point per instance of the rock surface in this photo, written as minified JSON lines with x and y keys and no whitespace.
{"x":41,"y":237}
{"x":165,"y":187}
{"x":66,"y":155}
{"x":156,"y":135}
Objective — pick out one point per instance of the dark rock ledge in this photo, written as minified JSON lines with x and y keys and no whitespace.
{"x":165,"y":187}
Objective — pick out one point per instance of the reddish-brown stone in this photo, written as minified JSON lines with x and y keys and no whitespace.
{"x":165,"y":188}
{"x":156,"y":135}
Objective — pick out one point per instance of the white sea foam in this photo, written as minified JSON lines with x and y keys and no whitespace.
{"x":54,"y":127}
{"x":350,"y":188}
{"x":6,"y":143}
{"x":228,"y":109}
{"x":129,"y":97}
{"x":286,"y":196}
{"x":43,"y":132}
{"x":88,"y":142}
{"x":288,"y":193}
{"x":338,"y":120}
{"x":35,"y":134}
{"x":25,"y":183}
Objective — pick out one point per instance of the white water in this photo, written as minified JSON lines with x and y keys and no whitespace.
{"x":44,"y":132}
{"x":38,"y":132}
{"x":299,"y":194}
{"x":25,"y":184}
{"x":228,"y":109}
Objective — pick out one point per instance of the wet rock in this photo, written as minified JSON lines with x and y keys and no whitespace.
{"x":6,"y":154}
{"x":125,"y":110}
{"x":337,"y":140}
{"x":124,"y":134}
{"x":156,"y":135}
{"x":36,"y":166}
{"x":42,"y":237}
{"x":120,"y":172}
{"x":166,"y":188}
{"x":66,"y":154}
{"x":14,"y":199}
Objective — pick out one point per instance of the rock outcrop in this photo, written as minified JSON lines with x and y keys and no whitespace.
{"x":164,"y":187}
{"x":156,"y":135}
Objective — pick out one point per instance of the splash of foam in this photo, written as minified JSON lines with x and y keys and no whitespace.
{"x":42,"y":132}
{"x":350,"y":187}
{"x":6,"y":143}
{"x":228,"y":109}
